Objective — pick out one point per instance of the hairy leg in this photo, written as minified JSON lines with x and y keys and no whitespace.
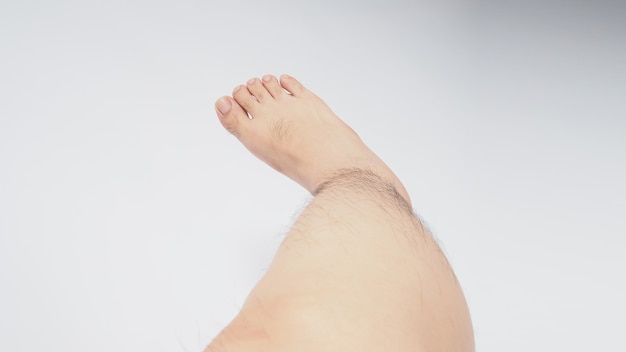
{"x":357,"y":271}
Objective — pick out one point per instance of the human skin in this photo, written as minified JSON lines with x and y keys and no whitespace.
{"x":357,"y":271}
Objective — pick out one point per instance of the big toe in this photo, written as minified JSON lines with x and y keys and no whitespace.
{"x":292,"y":85}
{"x":231,"y":115}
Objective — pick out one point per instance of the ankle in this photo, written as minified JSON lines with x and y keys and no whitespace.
{"x":365,"y":181}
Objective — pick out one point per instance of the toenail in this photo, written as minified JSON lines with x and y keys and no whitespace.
{"x":267,"y":78}
{"x":223,"y":105}
{"x":251,"y":81}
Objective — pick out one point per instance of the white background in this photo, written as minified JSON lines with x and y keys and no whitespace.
{"x":131,"y":221}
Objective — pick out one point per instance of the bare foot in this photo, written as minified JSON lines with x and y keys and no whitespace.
{"x":296,"y":133}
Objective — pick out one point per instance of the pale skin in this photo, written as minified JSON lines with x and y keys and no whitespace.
{"x":357,"y":271}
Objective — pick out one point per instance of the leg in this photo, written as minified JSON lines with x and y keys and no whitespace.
{"x":357,"y":271}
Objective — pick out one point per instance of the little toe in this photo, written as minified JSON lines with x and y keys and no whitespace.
{"x":244,"y":97}
{"x":271,"y":84}
{"x":258,"y":90}
{"x":292,"y":85}
{"x":232,"y":116}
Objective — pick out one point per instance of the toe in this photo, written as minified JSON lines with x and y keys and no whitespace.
{"x":231,"y":115}
{"x":271,"y":84}
{"x":292,"y":85}
{"x":258,"y":90}
{"x":243,"y":96}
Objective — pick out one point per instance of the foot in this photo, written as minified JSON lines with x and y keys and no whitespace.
{"x":296,"y":133}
